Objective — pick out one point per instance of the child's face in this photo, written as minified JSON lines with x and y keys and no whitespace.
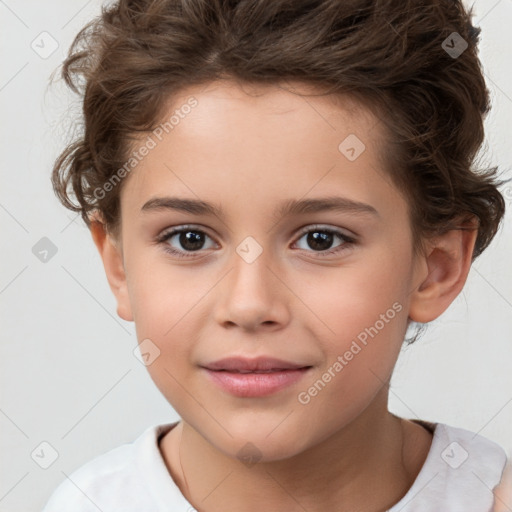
{"x":250,"y":155}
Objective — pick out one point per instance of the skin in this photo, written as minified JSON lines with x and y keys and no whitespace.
{"x":248,"y":153}
{"x":503,"y":491}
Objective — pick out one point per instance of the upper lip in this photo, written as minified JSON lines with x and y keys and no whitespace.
{"x":255,"y":364}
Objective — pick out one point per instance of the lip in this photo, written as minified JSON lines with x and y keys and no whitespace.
{"x":261,"y":363}
{"x":258,"y":377}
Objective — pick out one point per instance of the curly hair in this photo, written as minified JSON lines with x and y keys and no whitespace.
{"x":413,"y":63}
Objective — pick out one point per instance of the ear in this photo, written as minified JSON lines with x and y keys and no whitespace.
{"x":442,"y":272}
{"x":114,"y":266}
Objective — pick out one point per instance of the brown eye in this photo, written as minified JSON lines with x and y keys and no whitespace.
{"x":183,"y":240}
{"x":321,"y":240}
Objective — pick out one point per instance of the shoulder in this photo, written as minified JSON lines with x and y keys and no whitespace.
{"x":111,"y":481}
{"x":463,"y":447}
{"x":459,"y":447}
{"x":460,"y":472}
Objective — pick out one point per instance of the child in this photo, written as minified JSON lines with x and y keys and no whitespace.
{"x":278,"y":190}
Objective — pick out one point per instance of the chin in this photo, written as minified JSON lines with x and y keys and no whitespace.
{"x":260,"y":441}
{"x":259,"y":449}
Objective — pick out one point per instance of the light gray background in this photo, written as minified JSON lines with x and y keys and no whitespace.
{"x":68,"y":373}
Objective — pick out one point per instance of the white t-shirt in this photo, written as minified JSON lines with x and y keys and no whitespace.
{"x":458,"y":475}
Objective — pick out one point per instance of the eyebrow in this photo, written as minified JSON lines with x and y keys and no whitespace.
{"x":288,"y":208}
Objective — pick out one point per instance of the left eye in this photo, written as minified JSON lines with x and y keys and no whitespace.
{"x":320,"y":239}
{"x":192,"y":240}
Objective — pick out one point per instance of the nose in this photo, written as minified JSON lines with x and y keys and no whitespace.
{"x":252,"y":296}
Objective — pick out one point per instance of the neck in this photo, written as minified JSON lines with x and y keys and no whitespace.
{"x":368,"y":465}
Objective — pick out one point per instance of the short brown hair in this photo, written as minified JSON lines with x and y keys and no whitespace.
{"x":391,"y":55}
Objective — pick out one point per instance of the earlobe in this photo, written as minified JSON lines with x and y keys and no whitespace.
{"x":441,"y":274}
{"x":112,"y":258}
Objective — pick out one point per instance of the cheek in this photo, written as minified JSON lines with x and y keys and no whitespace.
{"x":162,"y":293}
{"x":166,"y":317}
{"x":358,"y":362}
{"x":365,"y":310}
{"x":164,"y":304}
{"x":355,"y":297}
{"x":366,"y":330}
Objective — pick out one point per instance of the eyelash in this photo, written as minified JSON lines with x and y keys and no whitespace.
{"x":165,"y":236}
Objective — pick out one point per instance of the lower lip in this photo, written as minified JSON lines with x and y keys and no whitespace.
{"x":255,"y":384}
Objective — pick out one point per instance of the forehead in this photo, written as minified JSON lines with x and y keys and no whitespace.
{"x":227,"y":137}
{"x":235,"y":99}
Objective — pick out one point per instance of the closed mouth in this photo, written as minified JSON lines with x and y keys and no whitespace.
{"x":273,"y":370}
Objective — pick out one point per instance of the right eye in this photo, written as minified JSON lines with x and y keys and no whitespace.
{"x":190,"y":238}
